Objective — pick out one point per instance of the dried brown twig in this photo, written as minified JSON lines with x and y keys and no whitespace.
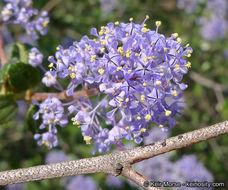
{"x":118,"y":163}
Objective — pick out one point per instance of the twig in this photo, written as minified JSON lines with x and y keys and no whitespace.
{"x":139,"y":179}
{"x":50,"y":5}
{"x":2,"y":49}
{"x":62,"y":95}
{"x":111,"y":163}
{"x":218,"y":88}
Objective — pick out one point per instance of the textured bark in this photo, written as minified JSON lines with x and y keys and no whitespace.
{"x":118,"y":163}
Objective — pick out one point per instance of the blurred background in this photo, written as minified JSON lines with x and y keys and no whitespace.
{"x":202,"y":23}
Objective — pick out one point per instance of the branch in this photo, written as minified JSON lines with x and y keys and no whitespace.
{"x":39,"y":96}
{"x":2,"y":49}
{"x":139,"y":179}
{"x":117,"y":163}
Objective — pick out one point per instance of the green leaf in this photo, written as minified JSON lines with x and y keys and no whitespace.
{"x":3,"y":72}
{"x":18,"y":52}
{"x":32,"y":124}
{"x":23,"y":76}
{"x":8,"y":109}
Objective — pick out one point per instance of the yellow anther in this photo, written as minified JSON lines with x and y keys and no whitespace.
{"x":101,"y":33}
{"x":65,"y":51}
{"x":118,"y":68}
{"x":57,"y":48}
{"x":143,"y":98}
{"x":72,"y":119}
{"x":101,"y":71}
{"x":59,"y":61}
{"x":148,"y":117}
{"x":143,"y":130}
{"x":7,"y":12}
{"x":150,"y":57}
{"x":187,"y":45}
{"x":136,"y":54}
{"x":138,"y":118}
{"x":167,"y":112}
{"x":87,"y":139}
{"x":146,"y":59}
{"x":127,"y":34}
{"x":161,"y":126}
{"x":144,"y":84}
{"x":131,"y":19}
{"x":189,"y":55}
{"x":76,"y":123}
{"x":129,"y":71}
{"x":158,"y":82}
{"x":50,"y":57}
{"x":72,"y":75}
{"x":120,"y":104}
{"x":117,"y":87}
{"x":117,"y":23}
{"x":121,"y":100}
{"x":189,"y":51}
{"x":46,"y":143}
{"x":106,"y":37}
{"x":136,"y":101}
{"x":127,"y":100}
{"x":147,"y":17}
{"x":177,"y":67}
{"x":102,"y":50}
{"x":128,"y":53}
{"x":165,"y":49}
{"x":175,"y":35}
{"x":107,"y":32}
{"x":113,"y":32}
{"x":45,"y":23}
{"x":175,"y":93}
{"x":179,"y":40}
{"x":93,"y":58}
{"x":158,"y":23}
{"x":51,"y":65}
{"x":152,"y":43}
{"x":103,"y":42}
{"x":127,"y":127}
{"x":144,"y":30}
{"x":49,"y":121}
{"x":188,"y":65}
{"x":161,"y":74}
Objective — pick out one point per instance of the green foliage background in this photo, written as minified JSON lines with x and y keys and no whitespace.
{"x":69,"y":21}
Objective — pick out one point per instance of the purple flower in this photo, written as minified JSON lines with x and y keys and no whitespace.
{"x":56,"y":156}
{"x":52,"y":112}
{"x":81,"y":182}
{"x":113,"y":181}
{"x":35,"y":57}
{"x":139,"y":72}
{"x":21,"y":12}
{"x":214,"y":20}
{"x":49,"y":79}
{"x":189,"y":6}
{"x":20,"y":186}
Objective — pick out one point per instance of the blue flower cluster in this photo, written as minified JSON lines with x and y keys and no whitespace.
{"x":138,"y":73}
{"x":21,"y":12}
{"x":52,"y":113}
{"x":214,"y":20}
